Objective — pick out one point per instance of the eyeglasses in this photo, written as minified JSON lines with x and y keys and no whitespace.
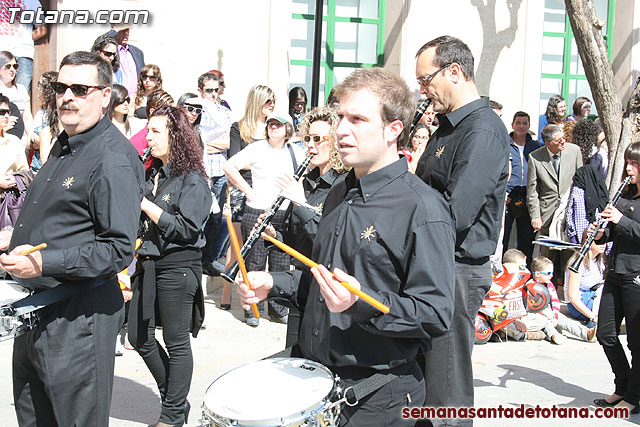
{"x":4,"y":111}
{"x":108,"y":54}
{"x":424,"y":81}
{"x":127,"y":100}
{"x":547,"y":273}
{"x":269,"y":102}
{"x":193,"y":109}
{"x":211,"y":90}
{"x":76,"y":89}
{"x":559,"y":139}
{"x":586,"y":106}
{"x":300,"y":104}
{"x":316,"y":138}
{"x":221,"y":82}
{"x":8,"y":66}
{"x":275,"y":123}
{"x":147,"y":76}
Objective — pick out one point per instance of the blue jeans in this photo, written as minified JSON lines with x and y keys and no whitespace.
{"x":215,"y":230}
{"x":25,"y":72}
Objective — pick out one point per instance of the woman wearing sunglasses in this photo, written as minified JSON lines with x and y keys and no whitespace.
{"x":16,"y":93}
{"x":46,"y":125}
{"x":12,"y":157}
{"x":318,"y":132}
{"x":107,"y":48}
{"x":166,"y":286}
{"x":149,"y":81}
{"x":119,"y":107}
{"x":261,"y":101}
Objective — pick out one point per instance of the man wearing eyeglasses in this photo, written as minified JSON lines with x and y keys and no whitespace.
{"x":215,"y":126}
{"x":85,"y":204}
{"x":467,"y":161}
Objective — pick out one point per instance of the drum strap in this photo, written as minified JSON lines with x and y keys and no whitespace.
{"x":359,"y":390}
{"x":50,"y":296}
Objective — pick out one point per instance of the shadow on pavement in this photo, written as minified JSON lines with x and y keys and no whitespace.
{"x":581,"y":396}
{"x":134,"y":401}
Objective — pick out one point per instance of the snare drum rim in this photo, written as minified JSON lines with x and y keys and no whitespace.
{"x":289,"y":420}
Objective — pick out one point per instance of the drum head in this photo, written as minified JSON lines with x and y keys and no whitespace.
{"x":11,"y":291}
{"x":269,"y":391}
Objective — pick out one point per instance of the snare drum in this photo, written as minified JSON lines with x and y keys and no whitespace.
{"x":12,"y":325}
{"x":299,"y":392}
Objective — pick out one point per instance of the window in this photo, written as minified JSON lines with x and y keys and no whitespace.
{"x":352,"y":37}
{"x":562,"y":70}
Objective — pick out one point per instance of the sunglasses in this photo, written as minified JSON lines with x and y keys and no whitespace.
{"x":316,"y":138}
{"x":8,"y":66}
{"x":193,"y":109}
{"x":76,"y":89}
{"x":152,"y":78}
{"x":424,"y":81}
{"x":108,"y":54}
{"x":127,"y":100}
{"x":210,"y":90}
{"x":300,"y":104}
{"x":221,"y":82}
{"x":547,"y":273}
{"x":4,"y":111}
{"x":269,"y":102}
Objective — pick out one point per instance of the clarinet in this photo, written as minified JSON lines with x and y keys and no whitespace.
{"x":145,"y":154}
{"x":601,"y":224}
{"x":230,"y":274}
{"x":422,"y":107}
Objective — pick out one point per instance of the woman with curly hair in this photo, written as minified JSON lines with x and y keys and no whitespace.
{"x":589,"y":194}
{"x":318,"y":132}
{"x":149,"y":81}
{"x":45,"y":124}
{"x":166,"y":283}
{"x":107,"y":48}
{"x":556,"y":109}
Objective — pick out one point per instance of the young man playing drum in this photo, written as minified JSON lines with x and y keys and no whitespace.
{"x":385,"y":232}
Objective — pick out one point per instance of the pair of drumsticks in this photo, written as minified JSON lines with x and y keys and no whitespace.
{"x":288,"y":249}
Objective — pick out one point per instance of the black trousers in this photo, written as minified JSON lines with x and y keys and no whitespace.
{"x":257,"y":259}
{"x":384,"y":406}
{"x":448,"y":368}
{"x":172,"y":369}
{"x":524,"y":233}
{"x":621,"y":299}
{"x":63,"y":368}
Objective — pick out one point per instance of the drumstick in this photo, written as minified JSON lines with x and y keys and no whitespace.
{"x":236,"y":250}
{"x":288,"y":249}
{"x":33,"y":249}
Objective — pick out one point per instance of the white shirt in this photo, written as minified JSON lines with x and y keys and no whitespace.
{"x":12,"y":157}
{"x":266,"y":164}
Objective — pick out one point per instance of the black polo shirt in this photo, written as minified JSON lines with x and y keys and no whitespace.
{"x":394,"y":234}
{"x":624,"y":259}
{"x":85,"y":205}
{"x":302,"y":224}
{"x":467,"y":161}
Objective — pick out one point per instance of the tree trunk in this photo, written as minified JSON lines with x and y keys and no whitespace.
{"x":587,"y":30}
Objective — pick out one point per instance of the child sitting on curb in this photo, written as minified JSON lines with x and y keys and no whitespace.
{"x":550,"y":321}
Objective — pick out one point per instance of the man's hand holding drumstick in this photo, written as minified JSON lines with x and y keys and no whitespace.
{"x":24,"y":261}
{"x":336,"y":296}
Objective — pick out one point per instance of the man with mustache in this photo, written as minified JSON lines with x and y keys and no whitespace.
{"x":85,"y":204}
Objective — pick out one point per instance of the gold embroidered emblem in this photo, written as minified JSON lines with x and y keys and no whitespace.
{"x":166,"y":198}
{"x":68,"y":182}
{"x":440,"y":151}
{"x":368,"y":233}
{"x":319,"y":206}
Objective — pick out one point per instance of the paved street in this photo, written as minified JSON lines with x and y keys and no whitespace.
{"x":509,"y":374}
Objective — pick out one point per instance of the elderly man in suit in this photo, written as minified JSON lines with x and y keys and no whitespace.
{"x":549,"y":179}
